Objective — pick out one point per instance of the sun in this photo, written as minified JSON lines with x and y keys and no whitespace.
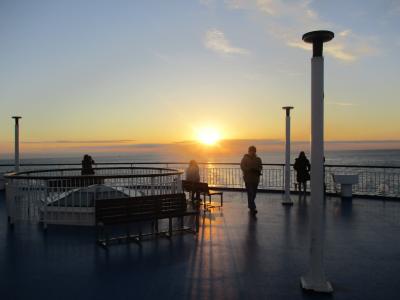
{"x":208,"y":136}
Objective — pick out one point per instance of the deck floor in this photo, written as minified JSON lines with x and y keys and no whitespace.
{"x":234,"y":256}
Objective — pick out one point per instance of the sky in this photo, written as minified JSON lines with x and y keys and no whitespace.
{"x":111,"y":75}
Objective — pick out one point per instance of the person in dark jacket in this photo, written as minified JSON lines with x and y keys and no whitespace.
{"x":193,"y":175}
{"x":251,"y":166}
{"x":87,"y":165}
{"x":302,"y":167}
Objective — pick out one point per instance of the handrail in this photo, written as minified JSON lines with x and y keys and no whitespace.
{"x":200,"y":163}
{"x":380,"y":181}
{"x":25,"y":174}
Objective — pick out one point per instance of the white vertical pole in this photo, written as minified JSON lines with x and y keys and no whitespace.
{"x":16,"y":145}
{"x":315,"y":279}
{"x":287,"y":200}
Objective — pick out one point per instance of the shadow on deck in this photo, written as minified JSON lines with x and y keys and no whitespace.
{"x":234,"y":256}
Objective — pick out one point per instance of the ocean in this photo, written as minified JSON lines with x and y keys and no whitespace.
{"x":347,"y":157}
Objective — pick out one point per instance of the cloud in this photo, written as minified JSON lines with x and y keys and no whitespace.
{"x":288,"y":20}
{"x":336,"y":50}
{"x":215,"y":40}
{"x":394,"y":8}
{"x":162,"y":57}
{"x":339,"y":51}
{"x":346,"y":46}
{"x":300,"y":10}
{"x":236,"y":4}
{"x":268,"y":6}
{"x":207,"y":3}
{"x":344,"y":32}
{"x":275,"y":7}
{"x":79,"y":142}
{"x":341,"y":103}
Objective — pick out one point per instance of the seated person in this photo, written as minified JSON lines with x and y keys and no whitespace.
{"x":193,"y":175}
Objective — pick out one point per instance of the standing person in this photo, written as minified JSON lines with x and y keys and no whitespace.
{"x":87,"y":165}
{"x":302,"y":167}
{"x":251,"y":166}
{"x":193,"y":175}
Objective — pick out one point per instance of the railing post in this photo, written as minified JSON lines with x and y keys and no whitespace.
{"x":287,"y":200}
{"x":16,"y":147}
{"x":45,"y":205}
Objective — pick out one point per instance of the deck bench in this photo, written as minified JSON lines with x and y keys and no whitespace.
{"x":125,"y":211}
{"x":203,"y":189}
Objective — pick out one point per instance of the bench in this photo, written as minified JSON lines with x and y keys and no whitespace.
{"x":204,"y":189}
{"x":125,"y":211}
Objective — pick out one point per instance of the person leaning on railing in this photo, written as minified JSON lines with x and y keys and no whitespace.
{"x":251,"y":166}
{"x":302,"y":167}
{"x":87,"y":165}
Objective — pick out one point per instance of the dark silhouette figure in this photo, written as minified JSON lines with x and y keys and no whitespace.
{"x":87,"y":165}
{"x":302,"y":167}
{"x":193,"y":175}
{"x":251,"y":166}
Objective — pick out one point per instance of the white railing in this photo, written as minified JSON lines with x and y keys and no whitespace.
{"x":377,"y":181}
{"x":63,"y":196}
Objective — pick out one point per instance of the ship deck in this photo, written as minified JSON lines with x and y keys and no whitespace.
{"x":234,"y":256}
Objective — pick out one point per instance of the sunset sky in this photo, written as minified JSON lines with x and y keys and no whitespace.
{"x":117,"y":73}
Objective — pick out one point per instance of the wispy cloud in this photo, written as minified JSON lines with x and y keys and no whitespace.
{"x":288,"y":20}
{"x":289,"y":72}
{"x":162,"y":57}
{"x":268,"y":6}
{"x":394,"y":8}
{"x":207,"y":3}
{"x":236,"y":4}
{"x":79,"y":142}
{"x":341,"y":103}
{"x":215,"y":40}
{"x":344,"y":32}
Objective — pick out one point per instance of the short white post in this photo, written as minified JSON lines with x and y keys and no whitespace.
{"x":287,"y":200}
{"x":16,"y":145}
{"x":315,"y":279}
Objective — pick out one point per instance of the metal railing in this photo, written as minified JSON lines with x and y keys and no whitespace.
{"x":377,"y":181}
{"x":64,"y":196}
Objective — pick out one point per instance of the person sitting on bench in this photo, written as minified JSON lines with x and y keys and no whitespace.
{"x":193,"y":175}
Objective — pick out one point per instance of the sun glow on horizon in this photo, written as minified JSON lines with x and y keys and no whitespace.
{"x":208,"y":136}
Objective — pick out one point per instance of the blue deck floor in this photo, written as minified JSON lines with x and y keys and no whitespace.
{"x":233,"y":257}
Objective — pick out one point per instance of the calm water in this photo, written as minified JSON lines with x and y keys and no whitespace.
{"x":353,"y":157}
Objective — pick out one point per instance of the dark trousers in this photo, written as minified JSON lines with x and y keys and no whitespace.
{"x":302,"y":184}
{"x":251,"y":188}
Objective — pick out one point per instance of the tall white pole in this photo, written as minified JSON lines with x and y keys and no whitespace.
{"x":16,"y":145}
{"x":315,"y":278}
{"x":287,"y":200}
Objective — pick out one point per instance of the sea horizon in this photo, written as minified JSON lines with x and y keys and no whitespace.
{"x":367,"y":157}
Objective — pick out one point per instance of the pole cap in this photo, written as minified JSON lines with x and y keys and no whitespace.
{"x":317,"y":38}
{"x":287,"y":108}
